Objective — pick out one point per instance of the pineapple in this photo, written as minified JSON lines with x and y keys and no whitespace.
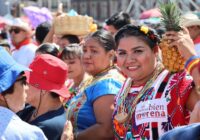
{"x":172,"y":59}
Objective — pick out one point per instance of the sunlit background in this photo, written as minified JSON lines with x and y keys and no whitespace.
{"x":98,"y":9}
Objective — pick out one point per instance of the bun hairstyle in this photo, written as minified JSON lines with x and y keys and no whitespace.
{"x":104,"y":38}
{"x":143,"y":32}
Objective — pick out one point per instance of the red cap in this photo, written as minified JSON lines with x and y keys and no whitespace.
{"x":48,"y":73}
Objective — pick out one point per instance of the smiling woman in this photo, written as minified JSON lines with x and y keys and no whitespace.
{"x":153,"y":100}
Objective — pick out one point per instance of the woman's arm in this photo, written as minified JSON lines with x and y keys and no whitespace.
{"x":195,"y":115}
{"x":194,"y":97}
{"x":102,"y":130}
{"x":185,"y":46}
{"x":50,"y":36}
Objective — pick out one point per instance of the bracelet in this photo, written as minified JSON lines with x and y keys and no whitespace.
{"x":194,"y":57}
{"x":192,"y":65}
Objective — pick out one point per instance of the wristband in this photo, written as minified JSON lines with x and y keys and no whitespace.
{"x":190,"y":59}
{"x":192,"y":65}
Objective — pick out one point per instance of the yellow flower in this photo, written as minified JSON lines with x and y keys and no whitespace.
{"x":144,"y":29}
{"x":93,"y":28}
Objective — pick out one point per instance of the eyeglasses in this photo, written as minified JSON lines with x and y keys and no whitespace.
{"x":16,"y":30}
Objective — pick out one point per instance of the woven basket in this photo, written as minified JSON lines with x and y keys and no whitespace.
{"x":74,"y":25}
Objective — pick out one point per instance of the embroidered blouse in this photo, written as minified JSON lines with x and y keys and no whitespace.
{"x":80,"y":110}
{"x":161,"y":108}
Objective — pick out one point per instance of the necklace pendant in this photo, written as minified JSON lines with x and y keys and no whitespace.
{"x":121,"y":117}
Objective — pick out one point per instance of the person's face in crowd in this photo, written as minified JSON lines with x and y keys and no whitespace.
{"x":75,"y":68}
{"x":18,"y":35}
{"x":56,"y":39}
{"x":194,"y":31}
{"x":136,"y":59}
{"x":63,"y":42}
{"x":33,"y":95}
{"x":37,"y":54}
{"x":112,"y":29}
{"x":95,"y":58}
{"x":16,"y":100}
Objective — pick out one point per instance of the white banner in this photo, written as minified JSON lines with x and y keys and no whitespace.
{"x":151,"y":111}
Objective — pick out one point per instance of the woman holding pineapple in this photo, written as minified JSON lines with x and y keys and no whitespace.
{"x":153,"y":100}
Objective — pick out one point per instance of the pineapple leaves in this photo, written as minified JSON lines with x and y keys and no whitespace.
{"x":170,"y":16}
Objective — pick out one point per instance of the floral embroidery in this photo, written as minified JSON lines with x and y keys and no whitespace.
{"x":74,"y":109}
{"x":177,"y":88}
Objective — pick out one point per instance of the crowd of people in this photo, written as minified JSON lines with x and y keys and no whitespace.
{"x":108,"y":84}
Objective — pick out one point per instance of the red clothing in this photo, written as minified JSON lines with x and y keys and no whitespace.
{"x":174,"y":90}
{"x":197,"y":40}
{"x":24,"y":52}
{"x":24,"y":42}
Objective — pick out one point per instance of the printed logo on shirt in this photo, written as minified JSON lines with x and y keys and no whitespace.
{"x":151,"y":111}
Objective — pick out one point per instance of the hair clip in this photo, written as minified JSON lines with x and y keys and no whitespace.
{"x":148,"y":32}
{"x":152,"y":36}
{"x":144,"y":29}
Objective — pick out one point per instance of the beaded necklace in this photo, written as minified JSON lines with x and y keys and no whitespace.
{"x":84,"y":83}
{"x":87,"y":81}
{"x":100,"y":74}
{"x":104,"y":71}
{"x":122,"y":115}
{"x":76,"y":104}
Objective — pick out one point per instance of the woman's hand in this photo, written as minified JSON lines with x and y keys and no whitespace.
{"x":67,"y":131}
{"x":195,"y":114}
{"x":183,"y":42}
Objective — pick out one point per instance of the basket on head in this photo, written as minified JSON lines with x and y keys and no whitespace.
{"x":74,"y":25}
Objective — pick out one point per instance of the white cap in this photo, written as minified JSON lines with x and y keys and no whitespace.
{"x":190,"y":19}
{"x":17,"y":22}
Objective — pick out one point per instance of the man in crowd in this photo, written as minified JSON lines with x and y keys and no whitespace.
{"x":192,"y":22}
{"x":116,"y":21}
{"x":41,"y":31}
{"x":24,"y":50}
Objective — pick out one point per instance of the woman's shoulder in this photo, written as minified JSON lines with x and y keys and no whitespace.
{"x":181,"y":76}
{"x":116,"y":74}
{"x":108,"y":84}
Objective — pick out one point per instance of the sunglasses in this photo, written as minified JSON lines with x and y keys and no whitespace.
{"x":15,"y":30}
{"x":22,"y":80}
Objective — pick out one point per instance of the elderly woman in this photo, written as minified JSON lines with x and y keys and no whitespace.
{"x":152,"y":101}
{"x":91,"y":111}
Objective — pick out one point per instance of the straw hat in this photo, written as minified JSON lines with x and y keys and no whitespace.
{"x":190,"y":19}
